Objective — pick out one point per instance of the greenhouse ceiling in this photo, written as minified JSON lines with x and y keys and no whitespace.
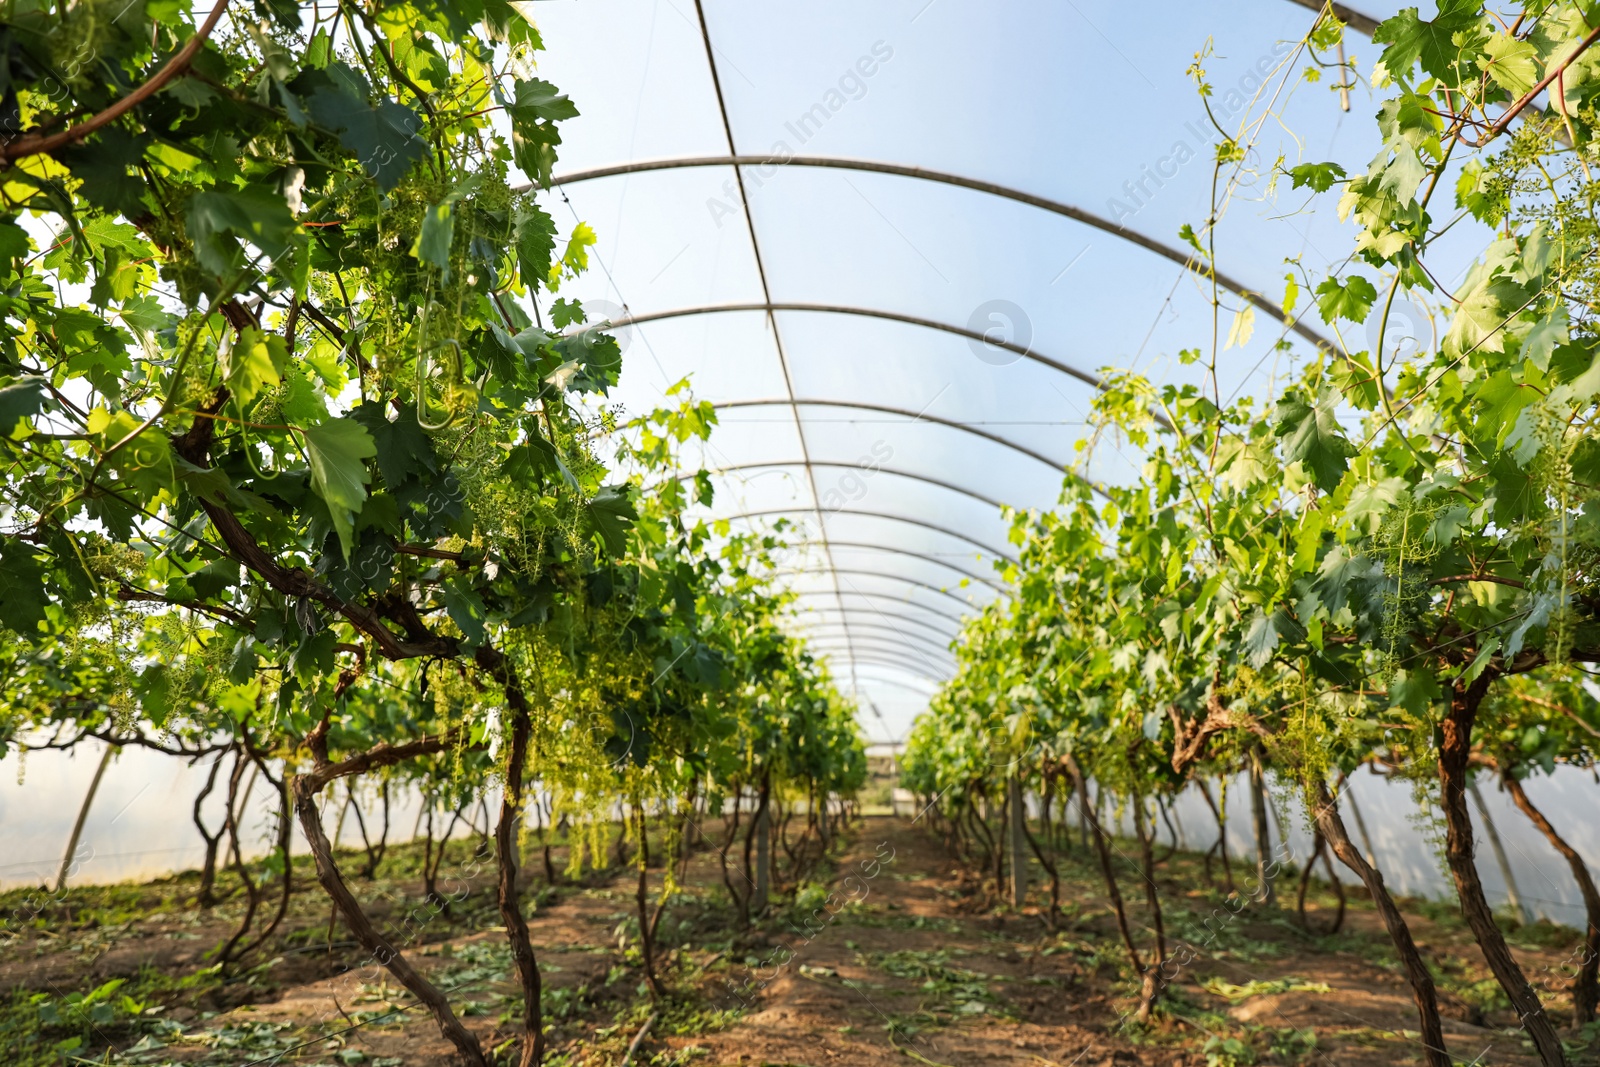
{"x":896,"y":244}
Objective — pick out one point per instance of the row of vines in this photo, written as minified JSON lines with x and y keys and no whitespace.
{"x":1388,"y":560}
{"x":297,"y":480}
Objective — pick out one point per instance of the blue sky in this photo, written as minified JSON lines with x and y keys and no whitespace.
{"x":1084,"y":103}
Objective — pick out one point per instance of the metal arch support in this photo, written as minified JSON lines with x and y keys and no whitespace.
{"x":933,"y":672}
{"x":838,"y":645}
{"x":927,"y":631}
{"x":778,"y":465}
{"x":825,"y":627}
{"x":912,"y":664}
{"x":1025,"y":351}
{"x":944,"y":655}
{"x":1077,"y":214}
{"x":882,"y":630}
{"x":885,"y":629}
{"x":895,"y":578}
{"x":766,"y":286}
{"x":911,"y":416}
{"x":988,"y":550}
{"x":1362,"y":24}
{"x":935,"y":560}
{"x":924,"y":666}
{"x":885,"y":660}
{"x":911,"y":693}
{"x":902,"y":683}
{"x":868,"y":642}
{"x":872,"y":613}
{"x":934,"y":683}
{"x":930,"y":609}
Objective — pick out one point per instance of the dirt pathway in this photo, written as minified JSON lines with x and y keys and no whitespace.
{"x":902,"y":962}
{"x":897,"y":955}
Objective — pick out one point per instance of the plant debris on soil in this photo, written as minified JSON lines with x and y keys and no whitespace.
{"x":893,"y":952}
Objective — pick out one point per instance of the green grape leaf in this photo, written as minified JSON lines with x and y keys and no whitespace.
{"x":1548,"y":333}
{"x":1412,"y":40}
{"x":313,"y":655}
{"x":1314,"y":438}
{"x":1368,"y":502}
{"x":539,"y":100}
{"x":1402,"y":170}
{"x":1480,"y":661}
{"x":534,"y":111}
{"x":386,"y":139}
{"x":612,"y":514}
{"x":22,"y":597}
{"x":1414,"y":690}
{"x":466,"y":609}
{"x":564,"y":313}
{"x":335,"y":450}
{"x":102,"y":164}
{"x":143,"y":313}
{"x":1320,"y":177}
{"x":536,"y":460}
{"x":102,"y":234}
{"x":1500,"y":398}
{"x":535,"y":238}
{"x":255,"y":362}
{"x":259,"y":216}
{"x":1260,"y":640}
{"x":285,"y":12}
{"x":211,"y":580}
{"x":302,"y":403}
{"x":1357,"y":380}
{"x":1513,"y":64}
{"x":1243,"y":327}
{"x":207,"y":483}
{"x":1307,"y":539}
{"x":1481,"y":317}
{"x":575,"y":258}
{"x":146,"y":459}
{"x":1240,"y":464}
{"x":704,"y":667}
{"x":1351,"y":299}
{"x":14,"y":243}
{"x":1517,"y":494}
{"x":1478,"y":192}
{"x":20,"y":400}
{"x":1535,"y":614}
{"x":590,"y":361}
{"x":404,"y":451}
{"x":70,"y":578}
{"x":154,"y":689}
{"x":439,"y":227}
{"x":438,"y":233}
{"x":652,"y":586}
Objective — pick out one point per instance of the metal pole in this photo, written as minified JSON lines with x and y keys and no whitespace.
{"x":1361,"y":824}
{"x":1513,"y":897}
{"x":1019,"y":842}
{"x":1263,"y":832}
{"x":83,"y":816}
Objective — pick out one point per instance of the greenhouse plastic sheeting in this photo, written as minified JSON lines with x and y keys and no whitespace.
{"x":130,"y":833}
{"x":866,"y":406}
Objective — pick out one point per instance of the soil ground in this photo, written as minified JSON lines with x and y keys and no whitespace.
{"x":891,"y":952}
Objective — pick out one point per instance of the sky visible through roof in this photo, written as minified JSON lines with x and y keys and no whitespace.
{"x":863,"y":406}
